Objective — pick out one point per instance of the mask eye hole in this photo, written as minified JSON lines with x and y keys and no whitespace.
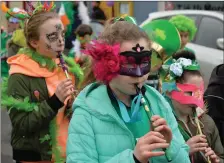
{"x":189,"y":93}
{"x":128,"y":65}
{"x":144,"y":64}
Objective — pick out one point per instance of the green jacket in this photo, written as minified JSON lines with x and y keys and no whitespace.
{"x":30,"y":126}
{"x":97,"y":134}
{"x":209,"y":129}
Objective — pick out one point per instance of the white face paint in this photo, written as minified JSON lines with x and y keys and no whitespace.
{"x":52,"y":38}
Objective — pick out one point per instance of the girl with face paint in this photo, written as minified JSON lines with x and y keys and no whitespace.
{"x":109,"y":122}
{"x":38,"y":93}
{"x":184,"y":99}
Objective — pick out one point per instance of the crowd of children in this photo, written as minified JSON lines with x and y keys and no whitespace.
{"x":94,"y":104}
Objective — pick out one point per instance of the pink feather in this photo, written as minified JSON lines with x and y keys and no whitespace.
{"x":106,"y":60}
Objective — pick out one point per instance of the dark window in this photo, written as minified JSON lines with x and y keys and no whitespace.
{"x":194,"y":17}
{"x":209,"y":31}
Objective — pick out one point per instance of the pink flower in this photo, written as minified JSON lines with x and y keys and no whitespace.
{"x":106,"y":60}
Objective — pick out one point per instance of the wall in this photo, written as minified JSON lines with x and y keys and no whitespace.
{"x":142,"y":9}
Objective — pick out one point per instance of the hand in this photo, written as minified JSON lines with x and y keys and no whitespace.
{"x":64,"y":89}
{"x":70,"y":102}
{"x":213,"y":157}
{"x":197,"y":143}
{"x":160,"y":125}
{"x":146,"y":144}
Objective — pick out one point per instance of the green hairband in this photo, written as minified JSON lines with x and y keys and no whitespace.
{"x":126,"y":18}
{"x":17,"y":13}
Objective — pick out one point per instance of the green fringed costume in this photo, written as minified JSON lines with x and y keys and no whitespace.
{"x":33,"y":116}
{"x":166,"y":42}
{"x":4,"y":66}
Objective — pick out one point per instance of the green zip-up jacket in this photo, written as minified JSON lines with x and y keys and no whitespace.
{"x":28,"y":127}
{"x":97,"y":134}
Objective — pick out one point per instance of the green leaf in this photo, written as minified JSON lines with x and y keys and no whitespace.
{"x":26,"y":99}
{"x":45,"y":138}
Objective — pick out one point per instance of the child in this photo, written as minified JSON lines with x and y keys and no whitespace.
{"x":109,"y":124}
{"x":187,"y":29}
{"x":185,"y":94}
{"x":83,"y":36}
{"x":98,"y":13}
{"x":77,"y":13}
{"x":39,"y":94}
{"x":13,"y":38}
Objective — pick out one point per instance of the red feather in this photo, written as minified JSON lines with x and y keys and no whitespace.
{"x":46,"y":6}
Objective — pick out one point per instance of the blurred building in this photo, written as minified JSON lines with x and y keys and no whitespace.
{"x":139,"y":9}
{"x":194,"y":5}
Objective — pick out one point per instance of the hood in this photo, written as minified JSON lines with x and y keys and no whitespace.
{"x":18,"y":38}
{"x":90,"y":98}
{"x":22,"y":63}
{"x":95,"y":100}
{"x":216,"y":81}
{"x":217,"y":76}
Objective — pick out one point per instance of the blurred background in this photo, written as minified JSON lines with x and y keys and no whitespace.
{"x":113,"y":8}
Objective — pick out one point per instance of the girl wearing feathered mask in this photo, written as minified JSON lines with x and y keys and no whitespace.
{"x":119,"y":119}
{"x":184,"y":89}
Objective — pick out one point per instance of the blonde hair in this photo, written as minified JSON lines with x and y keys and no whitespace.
{"x":33,"y":24}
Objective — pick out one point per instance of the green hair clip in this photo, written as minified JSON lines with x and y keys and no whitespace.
{"x":184,"y":24}
{"x":127,"y":18}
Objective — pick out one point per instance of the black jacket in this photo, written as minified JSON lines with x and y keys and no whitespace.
{"x":214,"y":98}
{"x":98,"y":14}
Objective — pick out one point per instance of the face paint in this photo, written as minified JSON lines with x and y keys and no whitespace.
{"x":52,"y":37}
{"x":48,"y":47}
{"x":58,"y":27}
{"x":13,"y":20}
{"x":136,"y":63}
{"x":195,"y":96}
{"x":55,"y":38}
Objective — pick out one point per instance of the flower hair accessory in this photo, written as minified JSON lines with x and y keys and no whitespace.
{"x":127,"y":18}
{"x":177,"y":68}
{"x":106,"y":60}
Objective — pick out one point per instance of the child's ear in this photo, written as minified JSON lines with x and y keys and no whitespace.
{"x":34,"y":44}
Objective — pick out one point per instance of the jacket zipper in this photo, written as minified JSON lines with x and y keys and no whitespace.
{"x":125,"y":128}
